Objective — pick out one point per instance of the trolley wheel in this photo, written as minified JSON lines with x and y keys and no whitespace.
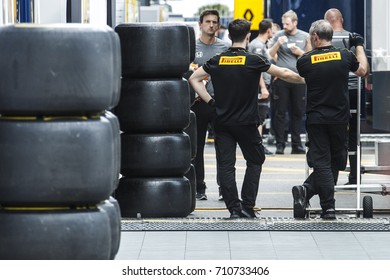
{"x":367,"y":207}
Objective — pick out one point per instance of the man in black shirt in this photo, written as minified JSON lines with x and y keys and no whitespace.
{"x":326,"y":72}
{"x":236,"y":75}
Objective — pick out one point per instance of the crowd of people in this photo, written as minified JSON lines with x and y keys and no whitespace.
{"x":296,"y":79}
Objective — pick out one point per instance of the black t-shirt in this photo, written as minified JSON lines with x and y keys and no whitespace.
{"x":326,"y":72}
{"x":236,"y":74}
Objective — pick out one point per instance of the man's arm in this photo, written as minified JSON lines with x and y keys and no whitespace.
{"x":363,"y":69}
{"x":196,"y":81}
{"x":285,"y":74}
{"x":274,"y":49}
{"x":263,"y":89}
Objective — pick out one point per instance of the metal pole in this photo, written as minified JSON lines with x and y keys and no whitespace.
{"x":358,"y":163}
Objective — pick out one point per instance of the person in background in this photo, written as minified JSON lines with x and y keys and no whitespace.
{"x":335,"y":18}
{"x":326,"y":72}
{"x":236,"y":77}
{"x":289,"y":44}
{"x":259,"y":46}
{"x":207,"y":45}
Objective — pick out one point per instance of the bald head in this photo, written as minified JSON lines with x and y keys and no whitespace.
{"x":335,"y":18}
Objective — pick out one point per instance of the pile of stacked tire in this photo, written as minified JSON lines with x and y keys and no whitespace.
{"x":153,"y":112}
{"x":59,"y":147}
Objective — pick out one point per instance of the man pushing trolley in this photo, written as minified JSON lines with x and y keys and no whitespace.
{"x":326,"y":72}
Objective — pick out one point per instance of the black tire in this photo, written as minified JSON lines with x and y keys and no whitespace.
{"x":116,"y":147}
{"x":186,"y":76}
{"x":57,"y":162}
{"x":111,"y":207}
{"x":155,"y":155}
{"x":192,"y":42}
{"x":367,"y":207}
{"x":191,"y":176}
{"x":153,"y":106}
{"x":49,"y":235}
{"x":154,"y":50}
{"x":58,"y":69}
{"x":191,"y":132}
{"x":154,"y":197}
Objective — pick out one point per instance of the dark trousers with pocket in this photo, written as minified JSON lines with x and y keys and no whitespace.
{"x":250,"y":142}
{"x":327,"y":155}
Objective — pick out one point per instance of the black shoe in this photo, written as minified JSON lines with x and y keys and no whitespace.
{"x":279,"y":149}
{"x":201,"y":196}
{"x":298,"y":150}
{"x":235,"y":214}
{"x":300,"y":202}
{"x":248,"y":213}
{"x":268,"y":152}
{"x":328,"y":214}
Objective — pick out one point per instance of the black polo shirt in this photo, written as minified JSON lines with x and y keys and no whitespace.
{"x":235,"y":74}
{"x":326,"y":72}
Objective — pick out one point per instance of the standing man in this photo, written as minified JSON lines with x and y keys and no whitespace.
{"x":289,"y":44}
{"x":236,"y":76}
{"x":259,"y":46}
{"x":326,"y":72}
{"x":335,"y":19}
{"x":207,"y":46}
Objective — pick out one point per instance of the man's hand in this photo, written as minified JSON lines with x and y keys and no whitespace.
{"x":355,"y":40}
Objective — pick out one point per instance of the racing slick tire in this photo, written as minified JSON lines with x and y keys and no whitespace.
{"x":153,"y":105}
{"x":57,"y":161}
{"x":112,"y":209}
{"x":55,"y":235}
{"x":154,"y":50}
{"x":154,"y":197}
{"x":191,"y":176}
{"x":155,"y":155}
{"x":58,"y":69}
{"x":186,"y":76}
{"x":190,"y":130}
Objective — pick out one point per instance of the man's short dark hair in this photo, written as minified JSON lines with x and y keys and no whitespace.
{"x":208,"y":12}
{"x":238,"y":29}
{"x":264,"y":25}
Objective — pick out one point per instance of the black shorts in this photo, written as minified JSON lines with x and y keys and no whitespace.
{"x":263,"y":108}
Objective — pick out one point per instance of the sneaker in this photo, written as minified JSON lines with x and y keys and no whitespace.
{"x":279,"y":149}
{"x":248,"y":213}
{"x":201,"y":196}
{"x":220,"y":197}
{"x":298,"y":150}
{"x":235,"y":215}
{"x":329,"y":214}
{"x":268,"y":152}
{"x":300,"y":202}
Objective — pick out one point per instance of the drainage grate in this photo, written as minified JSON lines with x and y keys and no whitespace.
{"x":258,"y":224}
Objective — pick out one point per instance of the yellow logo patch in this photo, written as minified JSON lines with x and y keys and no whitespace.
{"x":325,"y":57}
{"x":232,"y":60}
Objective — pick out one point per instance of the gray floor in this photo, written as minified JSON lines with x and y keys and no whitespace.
{"x":279,"y":174}
{"x":244,"y":245}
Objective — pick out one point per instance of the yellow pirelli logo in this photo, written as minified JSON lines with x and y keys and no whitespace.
{"x":232,"y":60}
{"x":325,"y":57}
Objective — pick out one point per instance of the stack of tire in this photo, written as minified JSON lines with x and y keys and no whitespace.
{"x":153,"y":111}
{"x":59,"y":147}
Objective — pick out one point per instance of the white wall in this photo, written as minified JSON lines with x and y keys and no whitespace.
{"x":380,"y":35}
{"x":50,"y":11}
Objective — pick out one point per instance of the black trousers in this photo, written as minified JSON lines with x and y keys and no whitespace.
{"x":204,"y":115}
{"x":327,"y":155}
{"x":288,"y":98}
{"x":250,"y":142}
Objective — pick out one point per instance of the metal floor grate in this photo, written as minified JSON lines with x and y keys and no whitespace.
{"x":258,"y":224}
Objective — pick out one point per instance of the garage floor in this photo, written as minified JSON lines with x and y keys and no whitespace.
{"x":349,"y":238}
